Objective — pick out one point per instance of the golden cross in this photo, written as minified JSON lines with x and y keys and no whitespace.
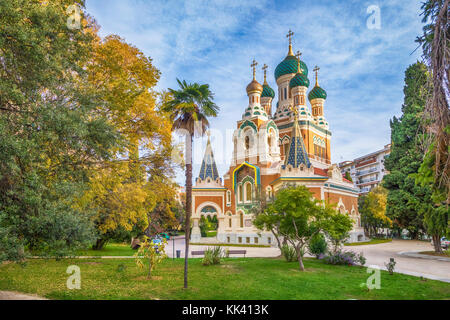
{"x":298,"y":55}
{"x":265,"y":71}
{"x":316,"y":70}
{"x":289,"y":35}
{"x":253,"y":65}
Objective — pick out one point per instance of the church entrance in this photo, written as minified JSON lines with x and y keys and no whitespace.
{"x":208,"y":223}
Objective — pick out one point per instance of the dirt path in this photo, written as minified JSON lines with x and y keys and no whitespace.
{"x":11,"y":295}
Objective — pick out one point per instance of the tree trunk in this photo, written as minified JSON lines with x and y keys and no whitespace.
{"x":99,"y":244}
{"x":188,"y":205}
{"x":437,"y":243}
{"x":300,"y":262}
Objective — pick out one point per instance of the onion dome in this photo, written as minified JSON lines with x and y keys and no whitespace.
{"x":300,"y":79}
{"x":317,"y":92}
{"x":290,"y":65}
{"x":267,"y":92}
{"x":254,"y":86}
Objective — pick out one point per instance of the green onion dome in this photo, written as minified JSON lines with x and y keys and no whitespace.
{"x":267,"y":92}
{"x":300,"y":80}
{"x":290,"y":65}
{"x":317,"y":93}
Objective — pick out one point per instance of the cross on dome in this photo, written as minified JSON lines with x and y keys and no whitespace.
{"x":253,"y":65}
{"x":265,"y":72}
{"x":289,"y":35}
{"x":298,"y":55}
{"x":316,"y":70}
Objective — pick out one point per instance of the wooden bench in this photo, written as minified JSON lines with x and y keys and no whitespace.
{"x":202,"y":252}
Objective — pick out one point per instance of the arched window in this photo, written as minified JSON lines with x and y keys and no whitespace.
{"x":285,"y":93}
{"x":247,"y":142}
{"x":229,"y":222}
{"x":241,"y":220}
{"x":228,"y":197}
{"x":241,"y":193}
{"x":248,"y":192}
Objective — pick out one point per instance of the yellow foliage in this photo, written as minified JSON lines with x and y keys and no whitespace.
{"x":124,"y":190}
{"x":377,"y":200}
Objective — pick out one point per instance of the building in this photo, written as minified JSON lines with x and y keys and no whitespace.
{"x":271,"y":149}
{"x":367,"y":171}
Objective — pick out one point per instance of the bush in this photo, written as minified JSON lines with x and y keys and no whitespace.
{"x":390,"y":266}
{"x":317,"y":246}
{"x":345,"y":258}
{"x":213,"y":256}
{"x":289,"y":253}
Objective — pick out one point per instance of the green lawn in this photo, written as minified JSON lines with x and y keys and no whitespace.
{"x":445,"y":254}
{"x":373,"y":241}
{"x":234,"y":279}
{"x":110,"y":249}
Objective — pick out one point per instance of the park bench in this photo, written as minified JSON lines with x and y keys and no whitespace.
{"x":202,"y":252}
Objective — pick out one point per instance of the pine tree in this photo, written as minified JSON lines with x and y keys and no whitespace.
{"x":407,"y":201}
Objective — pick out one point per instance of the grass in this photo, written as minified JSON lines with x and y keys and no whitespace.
{"x":110,"y":249}
{"x":373,"y":241}
{"x":234,"y":279}
{"x":230,"y":245}
{"x":445,"y":254}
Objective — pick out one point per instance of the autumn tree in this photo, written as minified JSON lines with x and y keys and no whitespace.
{"x":372,"y":209}
{"x":125,"y":190}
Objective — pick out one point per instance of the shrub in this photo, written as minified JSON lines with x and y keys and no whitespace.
{"x":213,"y":256}
{"x":390,"y":266}
{"x":345,"y":258}
{"x":317,"y":245}
{"x":289,"y":253}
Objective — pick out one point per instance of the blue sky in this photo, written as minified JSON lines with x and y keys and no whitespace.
{"x":214,"y":42}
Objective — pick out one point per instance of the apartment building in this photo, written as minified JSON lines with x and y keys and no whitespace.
{"x":367,"y":171}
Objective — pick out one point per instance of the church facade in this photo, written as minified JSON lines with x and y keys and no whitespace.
{"x":289,"y":145}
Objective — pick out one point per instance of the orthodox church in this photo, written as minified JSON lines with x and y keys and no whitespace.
{"x":289,"y":145}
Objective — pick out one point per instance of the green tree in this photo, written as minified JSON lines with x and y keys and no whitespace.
{"x":434,"y":171}
{"x":297,"y":217}
{"x":189,"y":108}
{"x":50,"y":132}
{"x":405,"y":197}
{"x":435,"y":42}
{"x":435,"y":210}
{"x":348,"y":176}
{"x":338,"y":229}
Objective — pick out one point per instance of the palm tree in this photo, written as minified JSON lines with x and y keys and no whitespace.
{"x":189,"y":108}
